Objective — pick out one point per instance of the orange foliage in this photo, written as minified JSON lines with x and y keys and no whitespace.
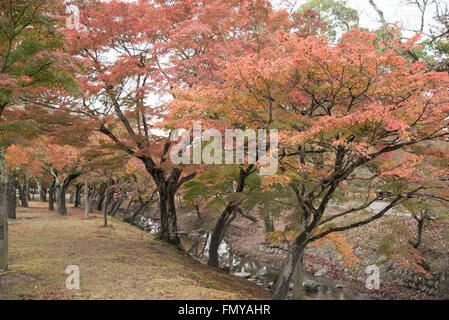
{"x":339,"y":243}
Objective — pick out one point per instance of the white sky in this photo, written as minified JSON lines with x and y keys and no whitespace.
{"x":394,"y":11}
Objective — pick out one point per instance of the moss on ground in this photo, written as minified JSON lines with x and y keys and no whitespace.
{"x":117,"y":262}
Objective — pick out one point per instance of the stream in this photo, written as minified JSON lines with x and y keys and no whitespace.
{"x":263,"y":274}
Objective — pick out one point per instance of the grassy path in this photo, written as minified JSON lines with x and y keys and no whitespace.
{"x":118,"y":262}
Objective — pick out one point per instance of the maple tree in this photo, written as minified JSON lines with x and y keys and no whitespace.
{"x":62,"y":163}
{"x":114,"y":92}
{"x":357,"y":113}
{"x":105,"y":170}
{"x":340,"y":109}
{"x":18,"y":165}
{"x":32,"y":50}
{"x":337,"y":15}
{"x":171,"y":44}
{"x":139,"y":187}
{"x":32,"y":60}
{"x":251,"y":35}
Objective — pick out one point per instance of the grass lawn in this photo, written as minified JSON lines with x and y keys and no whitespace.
{"x":118,"y":262}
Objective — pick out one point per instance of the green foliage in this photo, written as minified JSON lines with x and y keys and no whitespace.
{"x":211,"y":187}
{"x":32,"y":49}
{"x":14,"y":130}
{"x":394,"y":239}
{"x":337,"y":15}
{"x":386,"y":245}
{"x":434,"y":209}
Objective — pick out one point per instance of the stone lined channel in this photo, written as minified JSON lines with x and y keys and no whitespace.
{"x":315,"y":288}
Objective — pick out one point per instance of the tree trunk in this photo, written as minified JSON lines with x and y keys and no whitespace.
{"x":4,"y":248}
{"x":268,"y":223}
{"x":299,"y":272}
{"x":115,"y":207}
{"x":60,"y":200}
{"x":299,"y":278}
{"x":107,"y":198}
{"x":10,"y":195}
{"x":92,"y":201}
{"x":61,"y":193}
{"x":105,"y":204}
{"x":4,"y":251}
{"x":169,"y":229}
{"x":282,"y":283}
{"x":218,"y":234}
{"x":27,"y":189}
{"x":51,"y":196}
{"x":42,"y":192}
{"x":86,"y":196}
{"x":100,"y":201}
{"x":78,"y":196}
{"x":22,"y":195}
{"x":133,"y":218}
{"x":417,"y":243}
{"x":167,"y":186}
{"x":220,"y":228}
{"x":198,"y":213}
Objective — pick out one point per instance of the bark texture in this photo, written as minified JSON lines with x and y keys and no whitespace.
{"x":10,"y":195}
{"x":62,"y":191}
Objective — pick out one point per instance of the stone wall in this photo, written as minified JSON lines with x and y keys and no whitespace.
{"x":390,"y":269}
{"x":402,"y":276}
